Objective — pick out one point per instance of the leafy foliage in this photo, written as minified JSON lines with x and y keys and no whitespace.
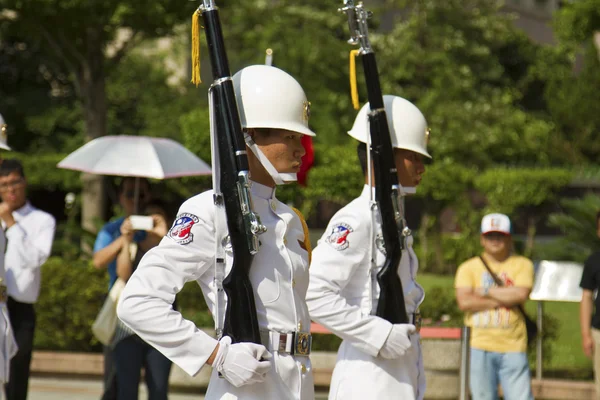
{"x":577,"y":223}
{"x":72,"y":294}
{"x":493,"y":98}
{"x":508,"y":189}
{"x":335,"y":177}
{"x":440,"y":308}
{"x":578,"y":20}
{"x":468,"y":69}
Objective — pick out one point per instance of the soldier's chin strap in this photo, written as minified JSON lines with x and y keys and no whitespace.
{"x":280,"y":178}
{"x":407,"y":190}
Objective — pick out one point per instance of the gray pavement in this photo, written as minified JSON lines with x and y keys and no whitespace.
{"x":80,"y":389}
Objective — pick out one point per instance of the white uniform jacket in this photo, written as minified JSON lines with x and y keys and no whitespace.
{"x":342,"y":296}
{"x":279,"y":276}
{"x":8,"y":344}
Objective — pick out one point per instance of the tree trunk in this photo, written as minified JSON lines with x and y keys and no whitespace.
{"x":438,"y":246}
{"x":531,"y":230}
{"x":93,"y":95}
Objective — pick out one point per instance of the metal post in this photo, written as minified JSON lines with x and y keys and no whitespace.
{"x":538,"y":344}
{"x":465,"y":356}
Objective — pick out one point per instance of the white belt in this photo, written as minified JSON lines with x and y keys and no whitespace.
{"x":293,"y":343}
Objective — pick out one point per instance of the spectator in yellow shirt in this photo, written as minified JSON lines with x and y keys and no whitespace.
{"x":498,"y":334}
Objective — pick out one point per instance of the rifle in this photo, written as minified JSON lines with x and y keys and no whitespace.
{"x":241,"y":321}
{"x":391,"y":299}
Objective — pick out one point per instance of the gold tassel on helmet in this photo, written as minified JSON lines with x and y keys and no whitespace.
{"x":196,"y":48}
{"x":353,"y":86}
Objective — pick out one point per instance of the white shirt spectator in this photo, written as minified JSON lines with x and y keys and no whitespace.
{"x":28,"y":247}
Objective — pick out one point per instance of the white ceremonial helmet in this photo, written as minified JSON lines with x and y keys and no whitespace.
{"x":408,"y":127}
{"x":268,"y":97}
{"x":3,"y":134}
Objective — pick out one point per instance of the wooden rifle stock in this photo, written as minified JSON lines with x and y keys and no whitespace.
{"x":391,"y":298}
{"x":241,"y":321}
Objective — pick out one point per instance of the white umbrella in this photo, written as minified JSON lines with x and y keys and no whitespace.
{"x":139,"y":156}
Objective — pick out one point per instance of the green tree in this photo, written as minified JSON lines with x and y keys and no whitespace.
{"x":86,"y":41}
{"x":577,"y":21}
{"x":479,"y":81}
{"x":577,"y":222}
{"x":446,"y":184}
{"x":509,"y":190}
{"x":469,"y":69}
{"x":571,"y":94}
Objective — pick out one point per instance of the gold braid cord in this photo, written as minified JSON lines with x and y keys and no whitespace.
{"x":306,"y":244}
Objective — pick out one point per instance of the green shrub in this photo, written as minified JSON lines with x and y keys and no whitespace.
{"x":549,"y":336}
{"x":439,"y":308}
{"x":191,"y":304}
{"x":326,"y":342}
{"x":72,"y":293}
{"x":71,"y":296}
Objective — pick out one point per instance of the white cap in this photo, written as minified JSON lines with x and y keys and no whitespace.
{"x":408,"y":127}
{"x":268,"y":97}
{"x":495,"y":223}
{"x":3,"y":132}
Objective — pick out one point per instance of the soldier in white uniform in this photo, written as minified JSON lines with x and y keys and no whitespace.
{"x":376,"y":360}
{"x":274,"y":114}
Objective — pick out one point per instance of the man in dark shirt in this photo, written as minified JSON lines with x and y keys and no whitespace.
{"x":590,"y":327}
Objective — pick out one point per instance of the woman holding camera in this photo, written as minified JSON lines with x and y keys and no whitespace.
{"x":130,"y":352}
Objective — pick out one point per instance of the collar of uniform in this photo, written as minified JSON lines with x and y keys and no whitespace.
{"x":23,"y":211}
{"x":262,"y":191}
{"x":365,"y":192}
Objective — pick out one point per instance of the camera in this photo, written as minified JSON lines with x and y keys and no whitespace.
{"x":141,"y":222}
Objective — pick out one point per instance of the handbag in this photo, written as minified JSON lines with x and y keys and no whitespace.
{"x":530,"y":325}
{"x":106,"y":322}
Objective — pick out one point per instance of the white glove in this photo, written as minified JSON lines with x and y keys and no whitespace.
{"x":239,"y":363}
{"x":398,"y":341}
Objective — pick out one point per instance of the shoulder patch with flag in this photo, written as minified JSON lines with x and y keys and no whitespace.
{"x":338,"y":238}
{"x":181,"y":231}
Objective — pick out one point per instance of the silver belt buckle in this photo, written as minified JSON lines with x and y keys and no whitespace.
{"x":302,"y":343}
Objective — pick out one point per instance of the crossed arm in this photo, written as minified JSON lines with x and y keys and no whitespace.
{"x":473,"y":299}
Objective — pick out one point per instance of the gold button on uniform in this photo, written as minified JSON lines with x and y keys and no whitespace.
{"x":293,"y":283}
{"x":303,"y":368}
{"x":299,"y":326}
{"x":285,"y":241}
{"x":273,"y":205}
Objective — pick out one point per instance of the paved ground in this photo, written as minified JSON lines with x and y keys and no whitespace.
{"x":72,"y":389}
